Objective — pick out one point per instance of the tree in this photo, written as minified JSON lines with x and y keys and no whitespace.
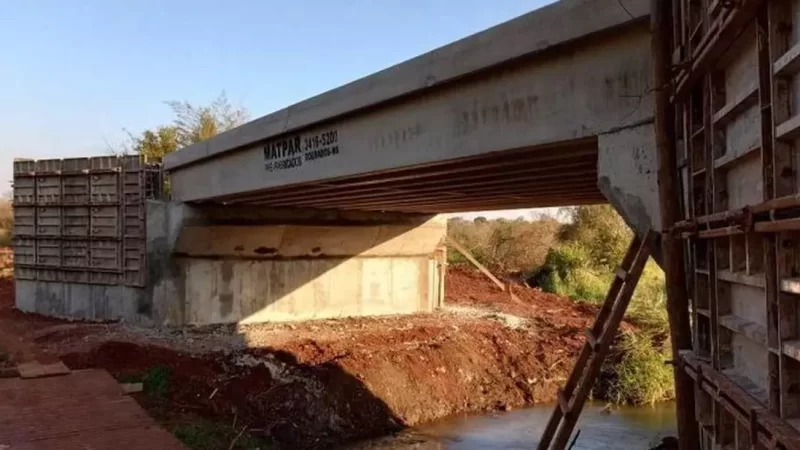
{"x":6,"y":222}
{"x":194,"y":124}
{"x":191,"y":124}
{"x":154,"y":144}
{"x":600,"y":231}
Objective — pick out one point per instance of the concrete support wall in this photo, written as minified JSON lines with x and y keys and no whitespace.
{"x":83,"y":301}
{"x":627,"y":170}
{"x":226,"y":265}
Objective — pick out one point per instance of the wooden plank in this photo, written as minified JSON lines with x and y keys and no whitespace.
{"x":620,"y":273}
{"x":730,"y":111}
{"x":789,"y":129}
{"x":789,"y":62}
{"x":452,"y":242}
{"x":741,"y":278}
{"x":84,"y":409}
{"x":591,"y":340}
{"x":739,"y":403}
{"x":775,"y":226}
{"x":563,"y":403}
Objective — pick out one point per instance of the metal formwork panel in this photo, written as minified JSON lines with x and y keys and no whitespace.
{"x":24,"y":190}
{"x":76,"y":221}
{"x":104,"y":255}
{"x":75,"y":254}
{"x":24,"y":221}
{"x":48,"y":221}
{"x":104,"y":188}
{"x":24,"y":251}
{"x":81,"y":219}
{"x":735,"y":88}
{"x":48,"y":252}
{"x":105,"y":221}
{"x":75,"y":189}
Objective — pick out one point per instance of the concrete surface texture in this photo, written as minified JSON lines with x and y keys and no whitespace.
{"x":528,"y":113}
{"x":573,"y":70}
{"x":544,"y":29}
{"x":220,"y":266}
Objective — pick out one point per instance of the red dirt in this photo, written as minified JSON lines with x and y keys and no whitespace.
{"x":316,"y":384}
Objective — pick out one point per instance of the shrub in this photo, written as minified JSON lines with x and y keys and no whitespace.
{"x":504,"y":245}
{"x":6,"y":222}
{"x":640,"y":375}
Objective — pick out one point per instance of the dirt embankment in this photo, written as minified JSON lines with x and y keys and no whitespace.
{"x":317,"y":384}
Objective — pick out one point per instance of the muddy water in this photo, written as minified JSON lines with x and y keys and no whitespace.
{"x":624,"y":428}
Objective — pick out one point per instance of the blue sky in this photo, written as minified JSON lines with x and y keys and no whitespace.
{"x":76,"y":73}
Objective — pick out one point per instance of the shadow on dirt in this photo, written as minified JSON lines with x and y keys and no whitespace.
{"x":291,"y":404}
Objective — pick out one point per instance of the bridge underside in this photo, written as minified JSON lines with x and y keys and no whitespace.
{"x":552,"y":175}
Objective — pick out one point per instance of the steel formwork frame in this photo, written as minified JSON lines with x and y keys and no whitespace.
{"x":734,"y":93}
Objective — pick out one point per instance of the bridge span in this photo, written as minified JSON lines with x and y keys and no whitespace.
{"x":530,"y":113}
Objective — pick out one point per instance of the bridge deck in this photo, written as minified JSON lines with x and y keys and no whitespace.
{"x":506,"y":118}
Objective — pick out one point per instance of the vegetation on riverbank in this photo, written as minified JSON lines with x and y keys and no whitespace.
{"x":577,"y":259}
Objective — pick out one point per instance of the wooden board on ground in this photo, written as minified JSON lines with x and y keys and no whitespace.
{"x":84,"y":409}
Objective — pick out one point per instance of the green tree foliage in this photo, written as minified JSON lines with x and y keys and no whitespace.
{"x":600,"y":231}
{"x":581,"y":266}
{"x":191,"y":124}
{"x":504,"y":245}
{"x":155,"y":144}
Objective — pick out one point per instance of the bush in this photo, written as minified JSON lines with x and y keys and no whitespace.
{"x":581,"y":267}
{"x":566,"y":271}
{"x":504,"y":245}
{"x":640,"y":375}
{"x":6,"y":222}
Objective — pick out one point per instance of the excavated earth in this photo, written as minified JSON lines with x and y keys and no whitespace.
{"x":323,"y":383}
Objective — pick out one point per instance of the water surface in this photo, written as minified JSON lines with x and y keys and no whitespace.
{"x":624,"y":428}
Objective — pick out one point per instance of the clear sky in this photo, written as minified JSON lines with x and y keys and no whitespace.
{"x":74,"y":74}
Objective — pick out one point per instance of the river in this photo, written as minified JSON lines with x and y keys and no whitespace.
{"x":622,"y":428}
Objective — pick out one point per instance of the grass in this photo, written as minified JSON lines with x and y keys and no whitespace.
{"x":201,"y":434}
{"x":155,"y":382}
{"x":581,"y":268}
{"x":642,"y":376}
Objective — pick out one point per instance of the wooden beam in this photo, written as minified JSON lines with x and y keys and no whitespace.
{"x":453,"y":243}
{"x":672,"y":248}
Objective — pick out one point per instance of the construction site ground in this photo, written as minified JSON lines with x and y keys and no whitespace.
{"x":323,"y":383}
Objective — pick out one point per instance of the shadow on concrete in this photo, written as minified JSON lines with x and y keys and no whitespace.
{"x":225,"y":264}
